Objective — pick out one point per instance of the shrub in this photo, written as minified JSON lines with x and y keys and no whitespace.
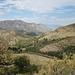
{"x":21,"y":62}
{"x":22,"y":65}
{"x":32,"y":49}
{"x":65,"y":66}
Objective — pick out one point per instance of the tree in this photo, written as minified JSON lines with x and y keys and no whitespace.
{"x":5,"y":55}
{"x":21,"y":62}
{"x":22,"y":65}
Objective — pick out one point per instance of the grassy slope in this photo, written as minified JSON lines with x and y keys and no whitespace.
{"x":59,"y":45}
{"x":13,"y":36}
{"x":61,"y":32}
{"x":35,"y":59}
{"x":66,"y":32}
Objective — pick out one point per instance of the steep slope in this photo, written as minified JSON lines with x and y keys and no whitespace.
{"x":23,"y":26}
{"x":59,"y":45}
{"x":61,"y":32}
{"x":62,"y":37}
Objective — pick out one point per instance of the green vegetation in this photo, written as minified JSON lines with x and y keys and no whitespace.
{"x":37,"y":45}
{"x":59,"y":54}
{"x":53,"y":66}
{"x":32,"y":49}
{"x":22,"y":65}
{"x":26,"y":34}
{"x":31,"y":34}
{"x":34,"y":45}
{"x":9,"y":65}
{"x":28,"y":57}
{"x":65,"y":66}
{"x":16,"y":50}
{"x":5,"y":56}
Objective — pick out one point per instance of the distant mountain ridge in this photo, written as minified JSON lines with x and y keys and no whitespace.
{"x":23,"y":26}
{"x":13,"y":30}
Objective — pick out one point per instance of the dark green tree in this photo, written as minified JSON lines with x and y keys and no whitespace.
{"x":21,"y":62}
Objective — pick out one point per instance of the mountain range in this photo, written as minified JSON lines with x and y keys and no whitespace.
{"x":22,"y":26}
{"x":12,"y":30}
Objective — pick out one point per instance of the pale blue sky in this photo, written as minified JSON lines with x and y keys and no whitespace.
{"x":53,"y":13}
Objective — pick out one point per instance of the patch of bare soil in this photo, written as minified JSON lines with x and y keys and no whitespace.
{"x":51,"y":47}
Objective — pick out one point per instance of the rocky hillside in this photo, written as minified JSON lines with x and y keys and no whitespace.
{"x":23,"y":26}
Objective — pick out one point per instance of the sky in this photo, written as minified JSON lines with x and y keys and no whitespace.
{"x":53,"y":13}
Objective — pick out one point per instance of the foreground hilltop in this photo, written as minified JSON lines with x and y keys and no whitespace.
{"x":23,"y":26}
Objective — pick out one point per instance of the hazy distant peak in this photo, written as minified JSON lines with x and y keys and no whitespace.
{"x":24,"y":26}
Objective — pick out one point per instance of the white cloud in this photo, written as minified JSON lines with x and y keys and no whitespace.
{"x":62,"y":21}
{"x":53,"y":17}
{"x":8,"y":9}
{"x":50,"y":21}
{"x":40,"y":6}
{"x":45,"y":20}
{"x":1,"y":13}
{"x":34,"y":19}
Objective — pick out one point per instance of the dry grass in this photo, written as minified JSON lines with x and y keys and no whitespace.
{"x":57,"y":46}
{"x":66,"y":42}
{"x":35,"y":59}
{"x":57,"y":35}
{"x":61,"y":32}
